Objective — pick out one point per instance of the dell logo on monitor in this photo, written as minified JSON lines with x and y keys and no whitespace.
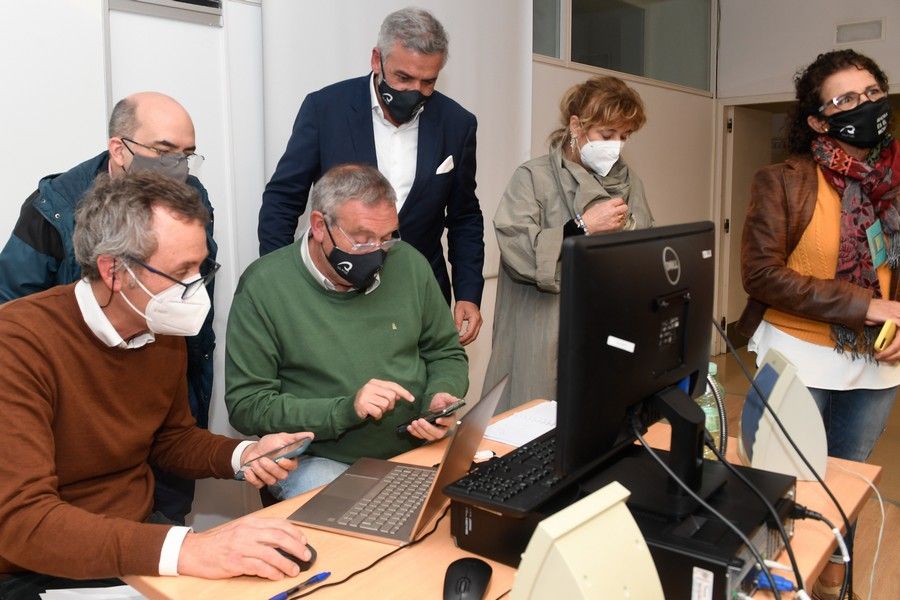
{"x":671,"y":265}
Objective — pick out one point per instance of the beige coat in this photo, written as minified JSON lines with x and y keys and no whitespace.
{"x":529,"y":226}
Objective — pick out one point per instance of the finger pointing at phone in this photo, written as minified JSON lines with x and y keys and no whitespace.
{"x":378,"y":397}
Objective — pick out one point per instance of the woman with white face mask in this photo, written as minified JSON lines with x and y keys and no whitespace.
{"x":581,"y":187}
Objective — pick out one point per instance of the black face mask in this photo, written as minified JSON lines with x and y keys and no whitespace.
{"x":401,"y":104}
{"x":359,"y":270}
{"x":863,"y":126}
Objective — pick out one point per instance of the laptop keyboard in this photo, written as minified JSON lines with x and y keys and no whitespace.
{"x":390,"y":504}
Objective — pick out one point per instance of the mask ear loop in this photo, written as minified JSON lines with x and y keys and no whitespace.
{"x":112,"y":289}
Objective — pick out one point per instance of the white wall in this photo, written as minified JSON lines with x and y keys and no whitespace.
{"x":53,"y":106}
{"x":764,"y":42}
{"x":672,"y":153}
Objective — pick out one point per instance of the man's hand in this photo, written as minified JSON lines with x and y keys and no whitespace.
{"x":468,"y":313}
{"x":377,"y":397}
{"x":245,"y":546}
{"x":422,"y":429}
{"x":266,"y":471}
{"x":609,"y":215}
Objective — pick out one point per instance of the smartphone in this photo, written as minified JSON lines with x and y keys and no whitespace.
{"x":885,"y":336}
{"x":292,"y":450}
{"x":434,"y":415}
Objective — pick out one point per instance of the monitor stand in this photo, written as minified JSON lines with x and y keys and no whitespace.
{"x":652,"y":490}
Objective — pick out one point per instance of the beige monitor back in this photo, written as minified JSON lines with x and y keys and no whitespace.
{"x":592,"y":549}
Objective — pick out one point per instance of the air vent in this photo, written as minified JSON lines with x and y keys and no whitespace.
{"x":850,"y":33}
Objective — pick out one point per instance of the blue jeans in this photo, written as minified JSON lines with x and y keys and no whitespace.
{"x":854,"y":419}
{"x":312,"y":472}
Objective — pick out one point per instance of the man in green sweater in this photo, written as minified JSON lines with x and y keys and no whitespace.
{"x":344,"y":333}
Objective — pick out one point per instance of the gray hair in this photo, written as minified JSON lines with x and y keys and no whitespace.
{"x":415,"y":29}
{"x":350,"y":182}
{"x":123,"y":120}
{"x":115,"y":217}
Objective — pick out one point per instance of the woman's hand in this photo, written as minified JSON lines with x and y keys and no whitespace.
{"x":881,"y":310}
{"x":609,"y":215}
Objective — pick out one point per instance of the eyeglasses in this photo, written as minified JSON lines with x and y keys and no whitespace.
{"x":208,"y":270}
{"x":850,"y":100}
{"x":364,"y":247}
{"x":169,"y":159}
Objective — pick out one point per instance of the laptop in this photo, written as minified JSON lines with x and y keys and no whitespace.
{"x":389,"y":501}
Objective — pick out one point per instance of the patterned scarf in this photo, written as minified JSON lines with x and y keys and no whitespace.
{"x":868,"y":192}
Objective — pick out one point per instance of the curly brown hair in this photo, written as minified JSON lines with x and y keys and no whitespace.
{"x":808,"y":83}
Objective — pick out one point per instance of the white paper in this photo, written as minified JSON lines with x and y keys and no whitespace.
{"x":523,"y":426}
{"x":118,"y":592}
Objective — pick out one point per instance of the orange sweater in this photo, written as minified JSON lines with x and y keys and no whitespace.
{"x":817,"y":255}
{"x":82,"y":422}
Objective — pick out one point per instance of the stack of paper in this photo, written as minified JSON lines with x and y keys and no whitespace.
{"x":522,"y":427}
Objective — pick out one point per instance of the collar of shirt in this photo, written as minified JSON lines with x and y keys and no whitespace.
{"x":317,"y":274}
{"x":96,"y":320}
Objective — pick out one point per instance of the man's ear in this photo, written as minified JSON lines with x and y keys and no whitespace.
{"x":317,"y":226}
{"x":376,"y":60}
{"x":117,"y":151}
{"x":108,"y":266}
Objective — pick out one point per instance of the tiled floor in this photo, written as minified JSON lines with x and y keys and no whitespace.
{"x":886,"y":454}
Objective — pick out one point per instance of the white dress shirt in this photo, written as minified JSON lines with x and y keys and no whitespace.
{"x":396,"y":148}
{"x":99,"y":324}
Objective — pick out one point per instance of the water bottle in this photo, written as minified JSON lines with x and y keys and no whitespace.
{"x":707,"y":403}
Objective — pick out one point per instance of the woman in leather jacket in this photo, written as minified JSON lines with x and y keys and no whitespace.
{"x":820,"y":255}
{"x":821,"y":249}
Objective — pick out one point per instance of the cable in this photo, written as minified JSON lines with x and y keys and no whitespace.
{"x":788,"y":437}
{"x":378,"y":560}
{"x":504,"y":594}
{"x":801,"y":512}
{"x":784,"y":536}
{"x":880,"y":528}
{"x":761,"y":563}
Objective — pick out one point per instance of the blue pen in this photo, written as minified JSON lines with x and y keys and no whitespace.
{"x":311,"y":581}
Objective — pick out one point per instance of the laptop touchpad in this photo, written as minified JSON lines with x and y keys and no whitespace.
{"x":352,"y":487}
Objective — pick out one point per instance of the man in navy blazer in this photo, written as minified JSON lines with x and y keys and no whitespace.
{"x":421,"y":140}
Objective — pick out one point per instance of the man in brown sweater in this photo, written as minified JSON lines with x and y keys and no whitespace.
{"x":92,"y":392}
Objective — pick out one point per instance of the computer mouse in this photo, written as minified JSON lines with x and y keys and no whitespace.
{"x":303,"y":564}
{"x":467,"y":579}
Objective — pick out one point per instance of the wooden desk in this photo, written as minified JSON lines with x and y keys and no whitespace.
{"x":418,"y":572}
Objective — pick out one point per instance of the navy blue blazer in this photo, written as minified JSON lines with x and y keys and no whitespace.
{"x":334,"y":126}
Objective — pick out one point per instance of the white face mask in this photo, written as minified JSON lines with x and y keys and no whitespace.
{"x":601,"y":155}
{"x":168,"y":314}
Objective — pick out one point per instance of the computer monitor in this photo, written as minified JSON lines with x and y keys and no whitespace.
{"x":635,"y":328}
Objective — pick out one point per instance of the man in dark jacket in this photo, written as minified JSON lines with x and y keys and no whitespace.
{"x":148,"y":131}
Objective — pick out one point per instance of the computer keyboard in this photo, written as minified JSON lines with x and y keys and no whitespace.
{"x":387,"y":506}
{"x":514,"y":484}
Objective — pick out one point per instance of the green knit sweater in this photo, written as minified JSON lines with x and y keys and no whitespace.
{"x":297,"y":353}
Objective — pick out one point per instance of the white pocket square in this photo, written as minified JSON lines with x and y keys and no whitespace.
{"x":446,"y":166}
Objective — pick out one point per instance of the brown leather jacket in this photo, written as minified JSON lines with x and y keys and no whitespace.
{"x":782,"y":201}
